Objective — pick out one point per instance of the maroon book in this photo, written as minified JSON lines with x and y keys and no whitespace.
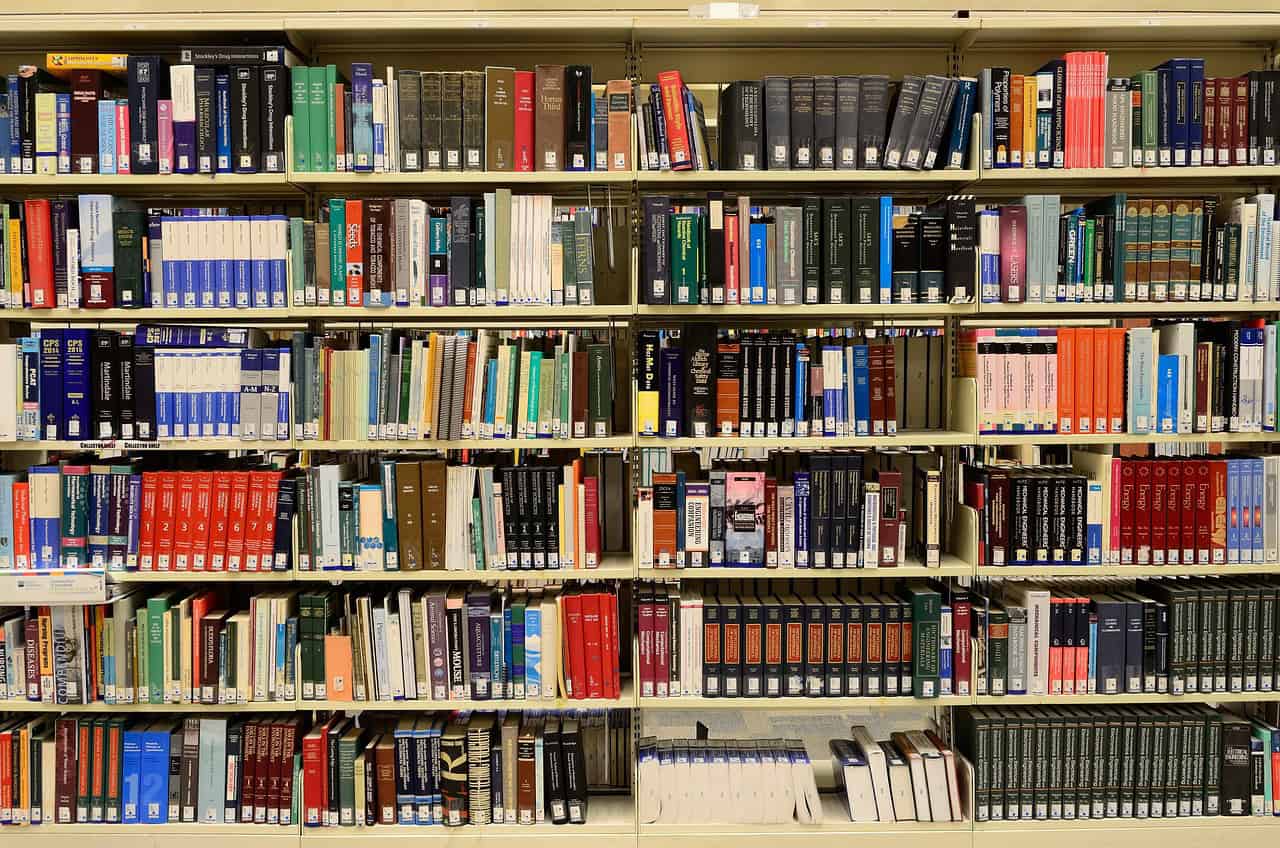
{"x":1173,"y":513}
{"x":31,"y":651}
{"x":890,"y":506}
{"x":890,"y":391}
{"x":1159,"y":490}
{"x":86,"y":91}
{"x":65,"y":770}
{"x":249,"y":772}
{"x":1013,"y":254}
{"x":288,"y":747}
{"x":1190,"y":486}
{"x":1204,"y":513}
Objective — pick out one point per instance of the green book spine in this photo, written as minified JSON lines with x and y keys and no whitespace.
{"x":1150,"y":120}
{"x":535,"y":393}
{"x":406,"y":380}
{"x":297,"y":262}
{"x":1127,"y":282}
{"x":75,"y":519}
{"x":1180,"y":249}
{"x":139,"y":653}
{"x":513,"y":377}
{"x":347,"y":524}
{"x":300,"y":80}
{"x":517,"y":671}
{"x":98,"y":766}
{"x":320,"y":141}
{"x":306,"y":637}
{"x":156,"y":608}
{"x":1142,"y":289}
{"x":331,"y":117}
{"x":130,"y":228}
{"x":926,"y":632}
{"x":174,"y":616}
{"x":584,"y":261}
{"x":347,"y":781}
{"x":337,"y":251}
{"x":562,"y":233}
{"x":477,"y":536}
{"x":684,"y":256}
{"x":1090,"y":233}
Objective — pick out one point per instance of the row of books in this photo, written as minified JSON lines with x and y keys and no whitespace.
{"x":817,"y":510}
{"x":498,"y":119}
{"x":911,"y":776}
{"x":808,"y":123}
{"x":153,"y":383}
{"x":830,"y":249}
{"x":1173,"y":377}
{"x":98,"y":251}
{"x":1127,"y":249}
{"x":219,"y":110}
{"x":1136,"y":762}
{"x":1114,"y":637}
{"x":458,"y":643}
{"x":171,"y":647}
{"x":1072,"y":113}
{"x":728,"y":641}
{"x":699,"y":381}
{"x":81,"y":513}
{"x":470,"y":769}
{"x":489,"y":514}
{"x":463,"y":384}
{"x":113,"y":770}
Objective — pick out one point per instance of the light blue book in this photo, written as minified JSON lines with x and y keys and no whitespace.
{"x":507,"y":681}
{"x":106,"y":136}
{"x":1235,"y":491}
{"x":130,"y":772}
{"x":362,"y":115}
{"x":1167,"y":393}
{"x":1258,"y":474}
{"x":211,"y":792}
{"x":1139,"y":374}
{"x":535,"y":395}
{"x":800,"y":400}
{"x":375,"y":376}
{"x":533,"y":647}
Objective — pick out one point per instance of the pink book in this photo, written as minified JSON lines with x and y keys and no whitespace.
{"x":1035,"y":396}
{"x":744,"y":517}
{"x":1013,"y":254}
{"x":164,"y":128}
{"x":122,"y":137}
{"x":1016,"y":384}
{"x":1049,"y":406}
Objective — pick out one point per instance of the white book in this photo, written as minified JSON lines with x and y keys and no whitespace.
{"x":1266,"y":204}
{"x":550,"y":646}
{"x":854,"y":774}
{"x":900,"y":786}
{"x":1036,"y":601}
{"x":9,"y":382}
{"x":871,"y":526}
{"x":73,"y":269}
{"x":878,"y":771}
{"x":935,"y":772}
{"x":644,"y":528}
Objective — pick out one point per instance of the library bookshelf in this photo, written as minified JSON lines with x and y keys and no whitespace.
{"x":636,"y":42}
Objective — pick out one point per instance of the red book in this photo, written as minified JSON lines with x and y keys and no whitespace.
{"x":1141,"y":515}
{"x":86,"y":90}
{"x":1187,"y":508}
{"x":1204,"y":512}
{"x":200,"y":524}
{"x":255,"y":514}
{"x":122,"y":138}
{"x":731,"y":284}
{"x":236,"y":520}
{"x":147,"y":519}
{"x":773,"y":649}
{"x":1159,"y":489}
{"x":961,"y":643}
{"x":248,"y":773}
{"x":64,"y":770}
{"x":1084,"y":391}
{"x":288,"y":747}
{"x":673,"y":111}
{"x":183,"y":521}
{"x":591,"y":534}
{"x":890,"y":393}
{"x":609,"y":644}
{"x":1222,"y":124}
{"x":1128,"y":486}
{"x":315,"y":776}
{"x":274,"y":773}
{"x":1013,"y":254}
{"x":524,"y":121}
{"x":218,"y":520}
{"x":98,"y":783}
{"x":1240,"y":122}
{"x":574,"y":657}
{"x":267,"y":528}
{"x":1072,"y":117}
{"x":1057,"y":643}
{"x":6,"y":773}
{"x":21,"y":526}
{"x":875,"y":372}
{"x":262,"y":773}
{"x":1217,"y":518}
{"x":661,"y":649}
{"x":1173,"y":513}
{"x":770,"y":521}
{"x":200,"y":606}
{"x":340,"y":127}
{"x":39,"y":230}
{"x":1081,"y":640}
{"x":591,"y":631}
{"x":711,"y":648}
{"x":355,"y":252}
{"x":166,"y":505}
{"x":645,"y":634}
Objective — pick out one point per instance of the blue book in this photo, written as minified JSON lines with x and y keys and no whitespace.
{"x":532,"y":669}
{"x":660,"y":128}
{"x":961,"y":122}
{"x":130,"y":775}
{"x":886,"y":250}
{"x":944,"y":651}
{"x":362,"y":116}
{"x":178,"y":395}
{"x":671,"y":392}
{"x":222,"y":128}
{"x":51,"y":411}
{"x":680,"y":517}
{"x":1258,"y":475}
{"x":1167,"y":393}
{"x":800,"y":399}
{"x":1180,"y":111}
{"x":106,"y":136}
{"x":390,"y":539}
{"x":508,"y":680}
{"x":1195,"y":126}
{"x":490,"y":394}
{"x":800,"y":482}
{"x":13,"y":143}
{"x":1093,"y":649}
{"x":1093,"y":530}
{"x":842,"y":410}
{"x":46,"y":531}
{"x":62,"y":114}
{"x":1235,"y":487}
{"x":99,"y":515}
{"x":989,"y":263}
{"x":185,"y":336}
{"x":406,"y":778}
{"x":759,"y":259}
{"x":135,"y":522}
{"x":153,"y":781}
{"x":1167,"y":100}
{"x":375,"y":366}
{"x":30,"y":420}
{"x":379,"y":128}
{"x":862,"y":389}
{"x":74,"y":349}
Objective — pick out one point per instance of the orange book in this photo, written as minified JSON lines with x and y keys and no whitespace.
{"x":1102,"y":379}
{"x":729,"y":387}
{"x":1066,"y":380}
{"x":1115,"y":379}
{"x":618,"y":102}
{"x":664,"y":520}
{"x":1083,"y":377}
{"x":468,"y":392}
{"x":1015,"y":120}
{"x":355,"y":252}
{"x":337,"y":667}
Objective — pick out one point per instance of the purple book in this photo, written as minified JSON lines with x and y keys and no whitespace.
{"x":1013,"y":254}
{"x":182,"y":85}
{"x":671,"y":392}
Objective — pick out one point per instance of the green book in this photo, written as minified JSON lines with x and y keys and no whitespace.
{"x":318,"y":100}
{"x":1114,"y":207}
{"x":173,"y":615}
{"x":297,"y":262}
{"x":1150,"y":119}
{"x":546,"y":395}
{"x":684,"y":256}
{"x":513,"y":382}
{"x":406,"y":382}
{"x":534,"y":389}
{"x":477,"y":536}
{"x":115,"y":750}
{"x":926,"y":639}
{"x":84,"y":732}
{"x":562,"y":234}
{"x":140,"y":664}
{"x":1089,"y":271}
{"x":583,"y":250}
{"x":331,"y":118}
{"x":75,"y":516}
{"x":347,"y":523}
{"x":130,"y":227}
{"x":348,"y":746}
{"x":337,"y":252}
{"x":157,"y":608}
{"x":300,"y":81}
{"x":518,"y":604}
{"x":1180,"y":228}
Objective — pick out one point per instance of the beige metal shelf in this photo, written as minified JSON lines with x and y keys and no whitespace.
{"x":16,"y":706}
{"x":627,"y":700}
{"x":464,"y":444}
{"x":200,"y":576}
{"x":1066,"y":311}
{"x":532,"y":313}
{"x":802,"y":704}
{"x":808,"y":312}
{"x":537,"y":179}
{"x":1204,"y":173}
{"x":148,"y":313}
{"x":1126,"y":698}
{"x":150,"y":183}
{"x":950,"y":567}
{"x":613,"y":568}
{"x":135,"y":445}
{"x":902,"y":439}
{"x":1093,"y":571}
{"x":728,"y":179}
{"x":1206,"y":832}
{"x":1122,"y":438}
{"x":188,"y":835}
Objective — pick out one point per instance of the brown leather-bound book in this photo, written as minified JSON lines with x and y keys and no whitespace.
{"x":500,"y":118}
{"x":579,"y":397}
{"x":435,"y":487}
{"x":526,"y":775}
{"x":409,"y":515}
{"x":86,"y":91}
{"x":210,"y":633}
{"x":664,"y":519}
{"x":65,"y":771}
{"x":384,"y":754}
{"x":290,"y":731}
{"x":548,"y":117}
{"x":617,"y":96}
{"x":275,"y":771}
{"x":189,"y":775}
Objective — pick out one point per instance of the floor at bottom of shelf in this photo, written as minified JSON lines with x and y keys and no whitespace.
{"x":155,"y":835}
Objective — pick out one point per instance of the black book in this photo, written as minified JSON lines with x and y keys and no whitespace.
{"x":839,"y":496}
{"x":864,"y":250}
{"x":274,"y":107}
{"x":741,"y":127}
{"x":941,"y":123}
{"x":711,"y":646}
{"x":699,"y":379}
{"x":892,"y":612}
{"x":148,"y":84}
{"x":451,"y":120}
{"x":577,"y":117}
{"x":848,"y":95}
{"x":144,"y":392}
{"x":927,"y":109}
{"x":473,"y":120}
{"x":731,"y":637}
{"x":824,"y":122}
{"x":772,"y":652}
{"x":904,"y":111}
{"x":820,"y":494}
{"x":657,"y":250}
{"x":125,"y":360}
{"x":837,"y":247}
{"x":431,"y":104}
{"x":410,"y":92}
{"x":777,"y":122}
{"x":906,"y":260}
{"x":206,"y":123}
{"x":815,"y":643}
{"x":793,"y":646}
{"x":961,"y":232}
{"x":575,"y":771}
{"x":853,"y":479}
{"x":245,"y":120}
{"x":873,"y":118}
{"x":873,"y":624}
{"x":785,"y":385}
{"x":931,"y":283}
{"x":106,"y":384}
{"x":752,"y":647}
{"x":835,"y":630}
{"x":1236,"y":771}
{"x":1058,"y":131}
{"x":554,"y":789}
{"x":746,"y":384}
{"x":853,"y":656}
{"x":802,"y":122}
{"x":461,"y":250}
{"x":713,"y":263}
{"x":811,"y":257}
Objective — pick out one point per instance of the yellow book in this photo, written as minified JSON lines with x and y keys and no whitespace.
{"x":1029,"y":121}
{"x":24,"y":769}
{"x":46,"y":133}
{"x":428,"y":378}
{"x":62,"y":64}
{"x":44,"y":635}
{"x":15,"y":262}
